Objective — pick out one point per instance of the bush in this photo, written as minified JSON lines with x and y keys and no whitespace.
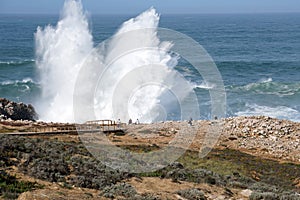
{"x":237,"y":184}
{"x":192,"y":194}
{"x":264,"y":196}
{"x":53,"y":170}
{"x":263,"y":187}
{"x":10,"y":187}
{"x":92,"y":174}
{"x":55,"y":161}
{"x":145,"y":197}
{"x":290,"y":197}
{"x":121,"y":189}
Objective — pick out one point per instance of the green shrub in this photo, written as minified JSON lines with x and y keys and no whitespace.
{"x":10,"y":187}
{"x":120,"y":189}
{"x":263,"y":196}
{"x":192,"y":194}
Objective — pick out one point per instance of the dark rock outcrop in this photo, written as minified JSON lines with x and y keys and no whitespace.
{"x":16,"y":111}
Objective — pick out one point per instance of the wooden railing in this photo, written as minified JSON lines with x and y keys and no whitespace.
{"x":105,"y":126}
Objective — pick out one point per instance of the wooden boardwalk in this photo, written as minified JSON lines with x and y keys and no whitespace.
{"x":105,"y":126}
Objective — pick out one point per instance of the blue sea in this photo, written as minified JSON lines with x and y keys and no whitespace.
{"x":258,"y":56}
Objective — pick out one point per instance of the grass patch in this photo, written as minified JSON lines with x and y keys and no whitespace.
{"x":228,"y":162}
{"x":11,"y":188}
{"x":140,"y":148}
{"x":152,"y":174}
{"x":216,"y":161}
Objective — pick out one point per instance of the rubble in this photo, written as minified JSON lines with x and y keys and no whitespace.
{"x":273,"y":137}
{"x":16,"y":111}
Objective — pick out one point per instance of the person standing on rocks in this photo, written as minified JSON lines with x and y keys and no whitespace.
{"x":190,"y":122}
{"x":137,"y":121}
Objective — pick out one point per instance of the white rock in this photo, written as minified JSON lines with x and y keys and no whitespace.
{"x":246,"y":193}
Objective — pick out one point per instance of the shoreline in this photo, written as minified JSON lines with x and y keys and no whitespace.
{"x":256,"y":135}
{"x":259,"y":117}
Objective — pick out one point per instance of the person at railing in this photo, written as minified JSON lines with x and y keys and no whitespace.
{"x":119,"y":123}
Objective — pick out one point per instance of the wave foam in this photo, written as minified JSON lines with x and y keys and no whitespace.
{"x":204,"y":85}
{"x":17,"y":62}
{"x":269,"y":87}
{"x":280,"y":112}
{"x":14,"y":82}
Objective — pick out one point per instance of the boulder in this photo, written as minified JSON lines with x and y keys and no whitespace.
{"x":17,"y":111}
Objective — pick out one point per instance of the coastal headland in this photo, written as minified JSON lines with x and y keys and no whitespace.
{"x":255,"y":157}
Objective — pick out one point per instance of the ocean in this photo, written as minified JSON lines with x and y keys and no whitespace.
{"x":258,"y":56}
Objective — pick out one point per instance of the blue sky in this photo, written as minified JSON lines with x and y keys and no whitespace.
{"x":163,"y":6}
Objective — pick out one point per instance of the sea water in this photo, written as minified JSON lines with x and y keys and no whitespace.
{"x":258,"y":56}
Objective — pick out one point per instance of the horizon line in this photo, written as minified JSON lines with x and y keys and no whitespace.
{"x":168,"y":13}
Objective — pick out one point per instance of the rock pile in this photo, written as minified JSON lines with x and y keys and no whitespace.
{"x":16,"y":111}
{"x":265,"y":135}
{"x":259,"y":126}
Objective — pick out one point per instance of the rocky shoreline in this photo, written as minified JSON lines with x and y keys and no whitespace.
{"x":257,"y":135}
{"x":255,"y":158}
{"x":277,"y":138}
{"x":16,"y":111}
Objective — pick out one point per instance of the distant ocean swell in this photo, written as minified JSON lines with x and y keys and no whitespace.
{"x":25,"y":90}
{"x":268,"y":87}
{"x":13,"y":63}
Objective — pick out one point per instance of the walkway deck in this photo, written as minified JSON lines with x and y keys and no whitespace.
{"x":105,"y":126}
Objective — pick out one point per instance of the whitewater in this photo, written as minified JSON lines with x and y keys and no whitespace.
{"x":62,"y":50}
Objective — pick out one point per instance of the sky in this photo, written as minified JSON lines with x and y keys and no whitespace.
{"x":163,"y":6}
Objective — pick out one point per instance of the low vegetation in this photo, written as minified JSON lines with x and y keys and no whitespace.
{"x":11,"y":187}
{"x":71,"y":164}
